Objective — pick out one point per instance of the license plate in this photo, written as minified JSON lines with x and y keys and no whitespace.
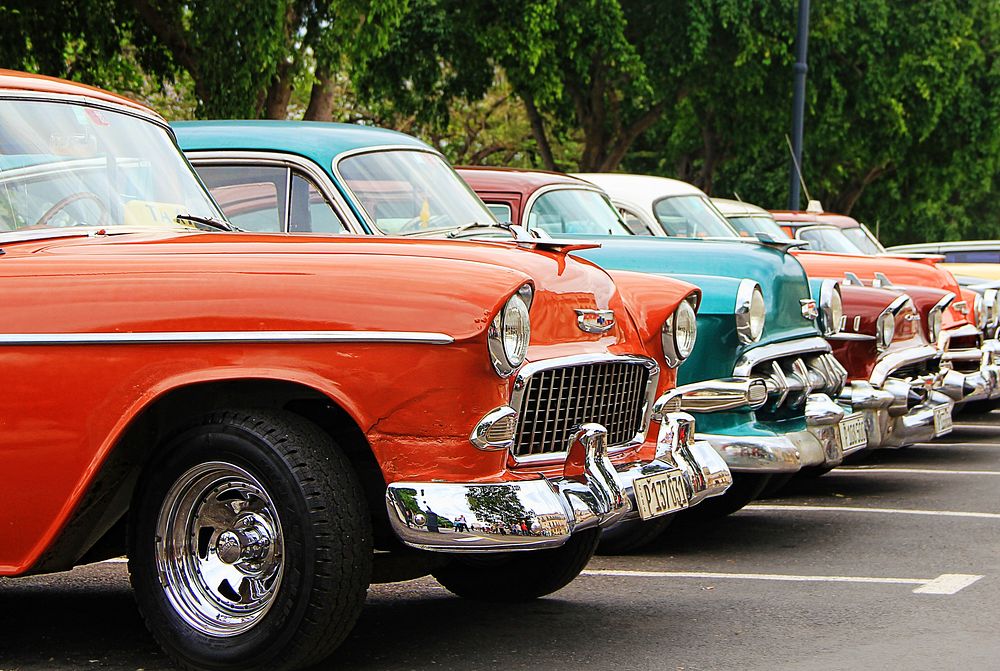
{"x":660,"y":494}
{"x":852,"y":432}
{"x":942,"y":420}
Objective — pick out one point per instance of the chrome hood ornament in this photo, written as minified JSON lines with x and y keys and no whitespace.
{"x":595,"y":321}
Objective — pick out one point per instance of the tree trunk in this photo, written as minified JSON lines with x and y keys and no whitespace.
{"x":848,"y":197}
{"x":538,"y":131}
{"x":321,"y":97}
{"x":279,"y":93}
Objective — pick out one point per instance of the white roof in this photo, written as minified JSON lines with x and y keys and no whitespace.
{"x":737,"y":208}
{"x":640,"y":190}
{"x":960,"y":246}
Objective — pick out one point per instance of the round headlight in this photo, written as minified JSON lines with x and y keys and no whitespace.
{"x":934,"y":325}
{"x":979,"y":312}
{"x":885,"y":329}
{"x":510,"y":332}
{"x":831,"y":308}
{"x":679,"y":334}
{"x":751,"y":312}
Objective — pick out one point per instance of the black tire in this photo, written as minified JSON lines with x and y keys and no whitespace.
{"x":632,"y":536}
{"x":745,"y":488}
{"x":518,"y":576}
{"x":776,"y":484}
{"x":284,"y":480}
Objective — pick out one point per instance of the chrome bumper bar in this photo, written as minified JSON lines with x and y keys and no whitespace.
{"x":979,"y":385}
{"x":544,"y":512}
{"x":818,"y":445}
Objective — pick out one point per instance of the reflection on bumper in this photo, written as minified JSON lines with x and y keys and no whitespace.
{"x":545,"y":512}
{"x":818,"y":445}
{"x":902,"y":412}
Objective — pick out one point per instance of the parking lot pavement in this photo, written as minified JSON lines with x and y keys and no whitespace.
{"x":890,"y":563}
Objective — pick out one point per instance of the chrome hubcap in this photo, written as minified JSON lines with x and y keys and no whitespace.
{"x":219,"y":549}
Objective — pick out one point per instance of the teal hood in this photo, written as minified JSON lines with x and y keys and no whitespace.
{"x":717,"y":268}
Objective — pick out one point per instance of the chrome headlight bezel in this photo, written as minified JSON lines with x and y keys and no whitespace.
{"x":934,"y":320}
{"x":513,"y":319}
{"x":831,"y":308}
{"x":979,"y":312}
{"x":679,"y":333}
{"x":751,"y":312}
{"x":885,"y":329}
{"x":991,"y":298}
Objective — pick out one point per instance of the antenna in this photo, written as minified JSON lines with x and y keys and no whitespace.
{"x":798,"y":170}
{"x":737,"y":196}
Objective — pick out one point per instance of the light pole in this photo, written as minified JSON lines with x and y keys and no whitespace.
{"x":799,"y":104}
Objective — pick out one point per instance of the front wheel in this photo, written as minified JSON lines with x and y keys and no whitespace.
{"x":250,"y":543}
{"x":518,"y":576}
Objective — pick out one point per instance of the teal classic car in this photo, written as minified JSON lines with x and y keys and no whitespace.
{"x":763,"y":362}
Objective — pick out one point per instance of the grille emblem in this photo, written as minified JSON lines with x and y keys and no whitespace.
{"x":595,"y":321}
{"x":809,"y":309}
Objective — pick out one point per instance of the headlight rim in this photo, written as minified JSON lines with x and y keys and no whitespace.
{"x":743,"y":310}
{"x":672,"y":351}
{"x":881,"y":342}
{"x":503,"y":363}
{"x":829,"y":321}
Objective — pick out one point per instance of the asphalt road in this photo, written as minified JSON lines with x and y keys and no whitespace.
{"x":871,"y":566}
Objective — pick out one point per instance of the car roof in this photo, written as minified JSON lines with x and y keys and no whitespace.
{"x":640,"y":190}
{"x":957,"y":246}
{"x":737,"y":208}
{"x":523,"y":181}
{"x":800,"y":218}
{"x":12,"y":80}
{"x":318,"y":140}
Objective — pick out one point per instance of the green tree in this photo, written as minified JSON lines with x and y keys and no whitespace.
{"x":496,"y":505}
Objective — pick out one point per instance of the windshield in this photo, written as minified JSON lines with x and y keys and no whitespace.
{"x":411,"y":192}
{"x":575,"y":211}
{"x":691,"y":217}
{"x":64,"y":164}
{"x":864,"y":240}
{"x":748,"y":227}
{"x":829,"y":239}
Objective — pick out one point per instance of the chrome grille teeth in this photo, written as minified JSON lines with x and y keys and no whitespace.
{"x":557,"y":401}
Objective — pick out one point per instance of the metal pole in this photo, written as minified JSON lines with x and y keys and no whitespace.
{"x":799,"y":104}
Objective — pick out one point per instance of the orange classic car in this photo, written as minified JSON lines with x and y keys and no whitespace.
{"x":250,"y":417}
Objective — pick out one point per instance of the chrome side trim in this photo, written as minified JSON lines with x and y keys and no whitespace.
{"x":750,"y":358}
{"x":217,"y":157}
{"x":207,"y":337}
{"x":529,"y":369}
{"x":850,"y":336}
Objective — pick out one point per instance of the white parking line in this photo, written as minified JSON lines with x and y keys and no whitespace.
{"x":841,"y":470}
{"x":949,"y":583}
{"x":891,"y":511}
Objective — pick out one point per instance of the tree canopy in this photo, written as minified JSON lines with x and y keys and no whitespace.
{"x":902,"y":98}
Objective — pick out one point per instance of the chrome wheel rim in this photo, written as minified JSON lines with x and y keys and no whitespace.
{"x":219,"y":549}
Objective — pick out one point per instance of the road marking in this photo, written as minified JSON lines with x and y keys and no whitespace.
{"x":929,"y":471}
{"x":948,"y":583}
{"x":893,"y":511}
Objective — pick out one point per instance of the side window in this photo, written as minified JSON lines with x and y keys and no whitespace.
{"x":500,"y":210}
{"x":311,"y":212}
{"x":633,"y":222}
{"x":252,"y":197}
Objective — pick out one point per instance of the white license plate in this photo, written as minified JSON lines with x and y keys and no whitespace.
{"x":852,"y":432}
{"x":660,"y":494}
{"x":942,"y":420}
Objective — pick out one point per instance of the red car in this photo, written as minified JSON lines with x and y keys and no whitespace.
{"x":249,"y":417}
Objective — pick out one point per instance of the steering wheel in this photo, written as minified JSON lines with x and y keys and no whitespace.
{"x":69,"y":200}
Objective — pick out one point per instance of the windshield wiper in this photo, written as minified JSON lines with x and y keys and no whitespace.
{"x":456,"y":232}
{"x":209,"y":222}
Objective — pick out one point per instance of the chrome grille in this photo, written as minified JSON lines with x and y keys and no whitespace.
{"x":557,"y":401}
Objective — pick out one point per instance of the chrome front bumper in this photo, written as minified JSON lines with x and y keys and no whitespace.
{"x":892,"y":418}
{"x":979,"y":385}
{"x":592,"y":492}
{"x":818,"y":445}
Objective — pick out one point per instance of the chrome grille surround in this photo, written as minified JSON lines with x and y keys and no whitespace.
{"x":555,"y":396}
{"x":793,"y":370}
